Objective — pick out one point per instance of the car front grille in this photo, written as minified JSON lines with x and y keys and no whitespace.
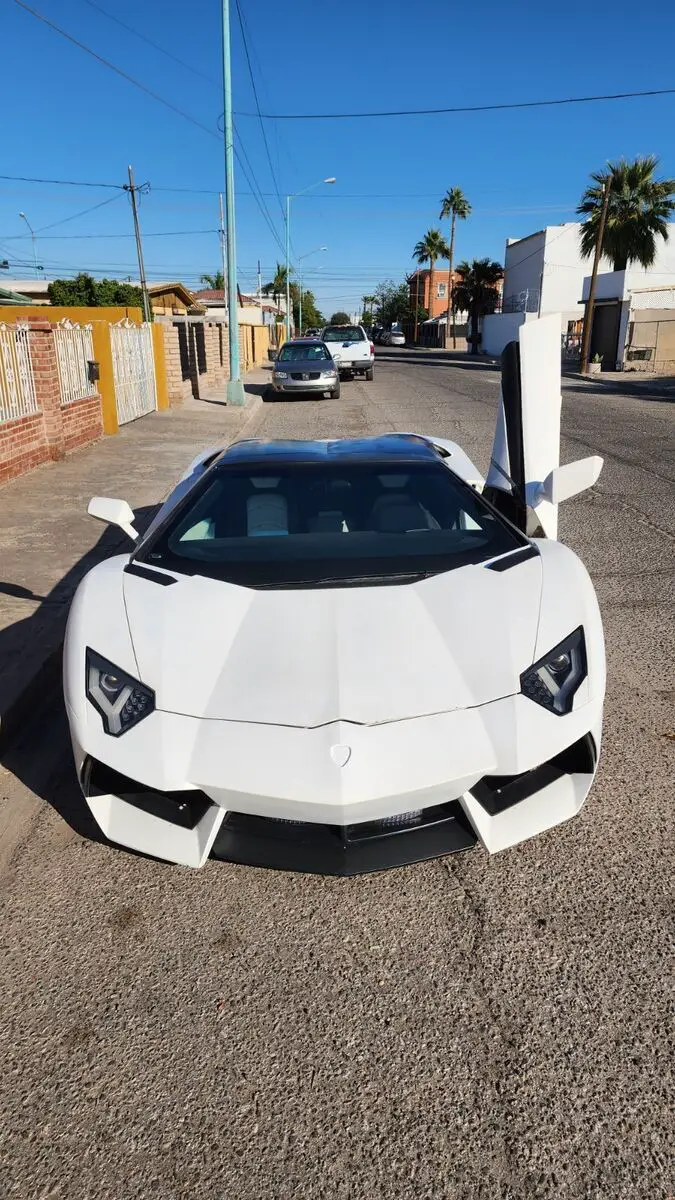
{"x":306,"y":375}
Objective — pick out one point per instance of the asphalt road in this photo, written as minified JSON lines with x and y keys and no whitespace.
{"x":467,"y":1028}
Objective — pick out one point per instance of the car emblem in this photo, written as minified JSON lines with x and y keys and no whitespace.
{"x":340,"y":755}
{"x":305,"y":377}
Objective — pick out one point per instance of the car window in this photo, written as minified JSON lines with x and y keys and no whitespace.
{"x":303,"y":354}
{"x":344,"y":333}
{"x":307,"y":524}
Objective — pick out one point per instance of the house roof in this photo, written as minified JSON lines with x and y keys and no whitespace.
{"x":210,"y":294}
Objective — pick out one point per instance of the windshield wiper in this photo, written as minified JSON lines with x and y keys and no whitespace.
{"x":346,"y":581}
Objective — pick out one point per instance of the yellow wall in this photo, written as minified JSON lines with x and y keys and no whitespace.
{"x":9,"y":313}
{"x":160,"y":367}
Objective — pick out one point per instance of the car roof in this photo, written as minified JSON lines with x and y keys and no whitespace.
{"x":400,"y":447}
{"x":306,"y":341}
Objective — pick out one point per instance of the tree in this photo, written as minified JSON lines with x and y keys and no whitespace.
{"x":432,"y":247}
{"x":276,"y":288}
{"x":217,"y":281}
{"x":86,"y":292}
{"x":394,"y":304}
{"x":637,"y":214}
{"x":477,"y":292}
{"x":453,"y":205}
{"x":340,"y":318}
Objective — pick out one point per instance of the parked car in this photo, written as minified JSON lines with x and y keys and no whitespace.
{"x":340,"y":656}
{"x":386,"y":334}
{"x":396,"y":338}
{"x":312,"y":333}
{"x":305,"y":365}
{"x":351,"y":349}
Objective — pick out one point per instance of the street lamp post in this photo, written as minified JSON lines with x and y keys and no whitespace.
{"x":294,"y":196}
{"x":315,"y":251}
{"x":32,"y":234}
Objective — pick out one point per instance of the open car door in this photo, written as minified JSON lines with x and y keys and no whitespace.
{"x":525,"y":480}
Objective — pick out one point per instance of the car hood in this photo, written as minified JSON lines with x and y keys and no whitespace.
{"x":308,"y":657}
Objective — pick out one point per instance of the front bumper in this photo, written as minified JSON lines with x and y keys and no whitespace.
{"x":305,"y":385}
{"x":179,"y":788}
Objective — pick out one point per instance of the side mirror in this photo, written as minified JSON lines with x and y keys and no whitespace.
{"x":574,"y":477}
{"x":113,"y":512}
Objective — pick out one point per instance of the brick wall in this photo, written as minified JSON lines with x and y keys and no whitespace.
{"x":53,"y":431}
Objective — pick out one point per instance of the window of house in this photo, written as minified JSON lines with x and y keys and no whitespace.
{"x":441,"y":291}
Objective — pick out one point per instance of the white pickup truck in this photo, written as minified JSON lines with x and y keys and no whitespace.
{"x":351,"y":349}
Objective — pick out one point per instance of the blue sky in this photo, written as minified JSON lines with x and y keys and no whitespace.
{"x":74,"y":119}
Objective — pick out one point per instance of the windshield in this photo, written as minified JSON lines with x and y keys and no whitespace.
{"x":295,"y":524}
{"x":303,"y":353}
{"x":344,"y":333}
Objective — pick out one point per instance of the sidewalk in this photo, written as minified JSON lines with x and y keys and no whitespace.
{"x":48,"y":542}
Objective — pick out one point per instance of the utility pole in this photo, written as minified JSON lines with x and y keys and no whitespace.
{"x":590,"y":303}
{"x":223,"y":251}
{"x":131,"y":188}
{"x":259,"y":281}
{"x":235,"y":388}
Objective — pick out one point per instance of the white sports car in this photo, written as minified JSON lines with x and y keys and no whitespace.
{"x":341,"y":656}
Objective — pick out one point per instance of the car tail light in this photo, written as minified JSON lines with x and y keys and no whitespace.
{"x":372,"y":348}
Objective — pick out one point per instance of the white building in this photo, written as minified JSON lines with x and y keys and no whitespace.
{"x":545,"y":273}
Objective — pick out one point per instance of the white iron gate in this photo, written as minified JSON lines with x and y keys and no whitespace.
{"x":74,"y":351}
{"x":133,"y":370}
{"x":17,"y":386}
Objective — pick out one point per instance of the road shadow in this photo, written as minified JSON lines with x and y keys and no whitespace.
{"x":442,"y":358}
{"x":660,"y":389}
{"x":34,"y":737}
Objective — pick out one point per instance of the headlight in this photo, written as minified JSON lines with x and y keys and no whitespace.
{"x":553,"y":680}
{"x":337,"y":358}
{"x":328,"y":374}
{"x":280,"y":375}
{"x":119,"y":698}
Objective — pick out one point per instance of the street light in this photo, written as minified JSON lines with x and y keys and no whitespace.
{"x":294,"y":196}
{"x":32,"y":234}
{"x":300,"y":258}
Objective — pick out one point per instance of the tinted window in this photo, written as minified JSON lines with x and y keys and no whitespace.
{"x":308,"y":524}
{"x":343,"y":333}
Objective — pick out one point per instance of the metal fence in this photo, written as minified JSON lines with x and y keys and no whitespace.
{"x":17,"y":385}
{"x":133,"y":370}
{"x":526,"y":301}
{"x":74,"y":351}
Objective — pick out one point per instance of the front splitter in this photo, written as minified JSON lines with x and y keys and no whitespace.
{"x":342,"y":850}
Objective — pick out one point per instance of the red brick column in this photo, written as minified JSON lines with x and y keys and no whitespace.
{"x":47,"y":390}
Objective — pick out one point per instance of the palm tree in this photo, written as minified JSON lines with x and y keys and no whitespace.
{"x":217,"y":281}
{"x":477,"y":292}
{"x":432,"y":247}
{"x":638,"y":212}
{"x":276,"y":288}
{"x":453,"y":205}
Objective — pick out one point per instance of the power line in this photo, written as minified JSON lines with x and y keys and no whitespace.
{"x":155,"y":96}
{"x":141,"y":36}
{"x":83,"y":213}
{"x":65,"y":182}
{"x":117,"y":70}
{"x":73,"y":237}
{"x":463,"y":108}
{"x":257,"y":104}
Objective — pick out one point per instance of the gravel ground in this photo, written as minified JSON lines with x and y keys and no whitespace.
{"x":467,"y":1028}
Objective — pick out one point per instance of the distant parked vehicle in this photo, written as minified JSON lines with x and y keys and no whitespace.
{"x":352,"y":350}
{"x":396,"y":338}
